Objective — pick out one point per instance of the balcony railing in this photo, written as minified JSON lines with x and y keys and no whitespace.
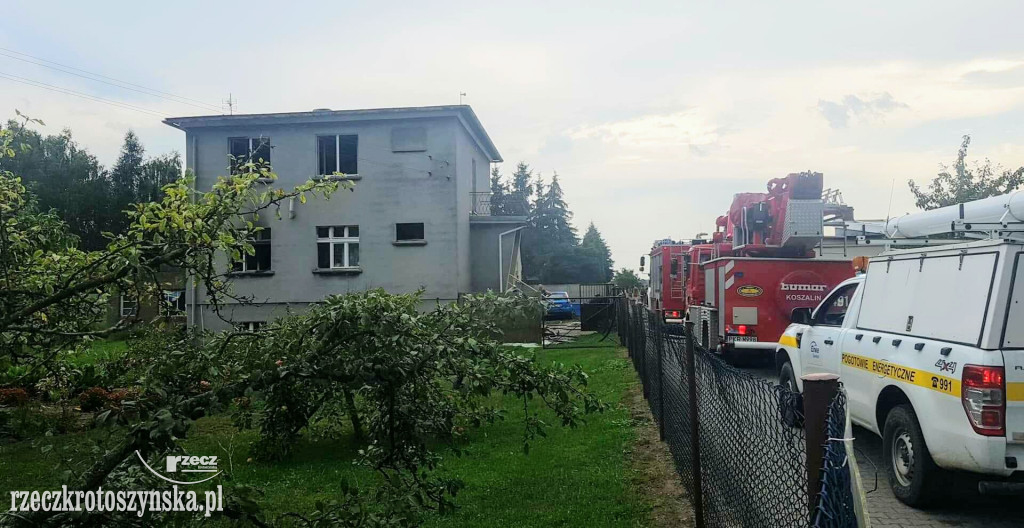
{"x":481,"y":204}
{"x":485,"y":204}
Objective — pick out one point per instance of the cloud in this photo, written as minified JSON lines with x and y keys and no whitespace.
{"x":852,"y":107}
{"x":684,"y":129}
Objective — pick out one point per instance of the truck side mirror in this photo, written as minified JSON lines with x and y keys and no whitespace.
{"x":801,"y":316}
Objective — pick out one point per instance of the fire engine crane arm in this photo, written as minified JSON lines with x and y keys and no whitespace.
{"x":1004,"y":209}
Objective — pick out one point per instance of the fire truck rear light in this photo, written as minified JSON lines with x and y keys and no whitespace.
{"x":741,"y":329}
{"x":983,"y":396}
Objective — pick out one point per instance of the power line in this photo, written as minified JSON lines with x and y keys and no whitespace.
{"x":99,"y":78}
{"x":51,"y":87}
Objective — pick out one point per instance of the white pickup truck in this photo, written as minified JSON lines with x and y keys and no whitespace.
{"x":929,"y":345}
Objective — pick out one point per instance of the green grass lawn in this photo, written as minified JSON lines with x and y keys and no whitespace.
{"x":98,"y":351}
{"x":574,"y":477}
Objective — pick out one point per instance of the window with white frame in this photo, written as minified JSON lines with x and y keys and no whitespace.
{"x":250,"y":326}
{"x":260,"y":258}
{"x":129,"y":306}
{"x":337,"y":154}
{"x":173,"y":302}
{"x":246,"y":149}
{"x":337,"y":247}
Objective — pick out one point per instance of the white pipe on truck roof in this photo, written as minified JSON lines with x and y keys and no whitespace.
{"x":1004,"y":208}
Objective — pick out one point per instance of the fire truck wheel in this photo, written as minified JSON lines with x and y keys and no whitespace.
{"x":912,"y":473}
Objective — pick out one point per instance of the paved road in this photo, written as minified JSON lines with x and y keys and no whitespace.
{"x":966,"y":508}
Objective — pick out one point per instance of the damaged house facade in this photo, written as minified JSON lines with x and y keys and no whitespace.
{"x":417,"y":218}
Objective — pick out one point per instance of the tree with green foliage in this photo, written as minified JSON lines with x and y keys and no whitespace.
{"x":499,"y":194}
{"x":69,"y":180}
{"x":63,"y":177}
{"x":549,"y":241}
{"x":963,"y":183}
{"x":626,"y":280}
{"x":596,"y":258}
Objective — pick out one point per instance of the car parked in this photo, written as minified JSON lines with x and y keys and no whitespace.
{"x":559,"y":306}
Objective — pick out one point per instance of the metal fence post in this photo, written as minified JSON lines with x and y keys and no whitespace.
{"x":698,"y":485}
{"x":643,"y":354}
{"x":819,"y":390}
{"x":660,"y":336}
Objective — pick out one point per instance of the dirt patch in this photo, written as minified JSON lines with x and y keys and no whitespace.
{"x":652,"y":472}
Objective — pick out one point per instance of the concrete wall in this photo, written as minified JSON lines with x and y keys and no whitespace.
{"x":484,"y":269}
{"x":431,"y":187}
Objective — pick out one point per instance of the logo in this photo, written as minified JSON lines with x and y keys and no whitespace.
{"x":750,"y":291}
{"x":185,"y":464}
{"x":946,"y":366}
{"x":815,"y":351}
{"x":803,"y":287}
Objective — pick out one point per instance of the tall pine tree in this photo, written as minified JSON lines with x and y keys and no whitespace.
{"x":549,"y":241}
{"x":595,"y":257}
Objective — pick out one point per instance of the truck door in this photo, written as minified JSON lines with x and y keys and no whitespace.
{"x":1013,"y":356}
{"x":821,"y":344}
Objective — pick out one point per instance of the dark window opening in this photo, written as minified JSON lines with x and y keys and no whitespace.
{"x":246,"y":149}
{"x":337,"y":154}
{"x":413,"y":231}
{"x":260,"y":259}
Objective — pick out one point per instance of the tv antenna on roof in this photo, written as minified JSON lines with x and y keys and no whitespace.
{"x":230,"y":102}
{"x":461,"y":95}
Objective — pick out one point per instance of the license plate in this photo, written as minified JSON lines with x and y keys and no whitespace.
{"x":746,"y":339}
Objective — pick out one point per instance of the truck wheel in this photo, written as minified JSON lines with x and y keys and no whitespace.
{"x":913,"y":475}
{"x":791,"y":402}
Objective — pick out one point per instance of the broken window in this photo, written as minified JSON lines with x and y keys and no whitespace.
{"x":337,"y":155}
{"x":337,"y":247}
{"x":413,"y":231}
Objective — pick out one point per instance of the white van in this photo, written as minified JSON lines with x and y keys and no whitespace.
{"x":929,"y":345}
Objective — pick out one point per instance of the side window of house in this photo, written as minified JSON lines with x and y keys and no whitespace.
{"x":250,"y":326}
{"x":173,"y":302}
{"x":337,"y":154}
{"x":409,"y":232}
{"x":246,"y":149}
{"x":128,"y":306}
{"x":337,"y":247}
{"x":260,"y":259}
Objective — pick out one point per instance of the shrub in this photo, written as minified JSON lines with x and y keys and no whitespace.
{"x":93,"y":399}
{"x":15,"y":397}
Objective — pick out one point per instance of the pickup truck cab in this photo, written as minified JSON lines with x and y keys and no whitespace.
{"x":929,"y":346}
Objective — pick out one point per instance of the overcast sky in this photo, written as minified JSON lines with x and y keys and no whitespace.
{"x":652,"y":113}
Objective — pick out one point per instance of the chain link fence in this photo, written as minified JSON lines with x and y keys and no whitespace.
{"x":752,"y":448}
{"x":836,"y":505}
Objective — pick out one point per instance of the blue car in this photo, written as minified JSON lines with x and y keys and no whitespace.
{"x":559,"y":305}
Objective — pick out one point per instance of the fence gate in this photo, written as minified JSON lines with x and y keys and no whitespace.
{"x":579,"y":322}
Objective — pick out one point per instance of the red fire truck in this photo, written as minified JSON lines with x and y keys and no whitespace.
{"x":667,"y":296}
{"x":742,"y":287}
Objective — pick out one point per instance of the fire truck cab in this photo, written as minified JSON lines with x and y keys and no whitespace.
{"x":668,"y":266}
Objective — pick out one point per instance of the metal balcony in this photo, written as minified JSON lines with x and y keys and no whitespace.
{"x":509,"y":205}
